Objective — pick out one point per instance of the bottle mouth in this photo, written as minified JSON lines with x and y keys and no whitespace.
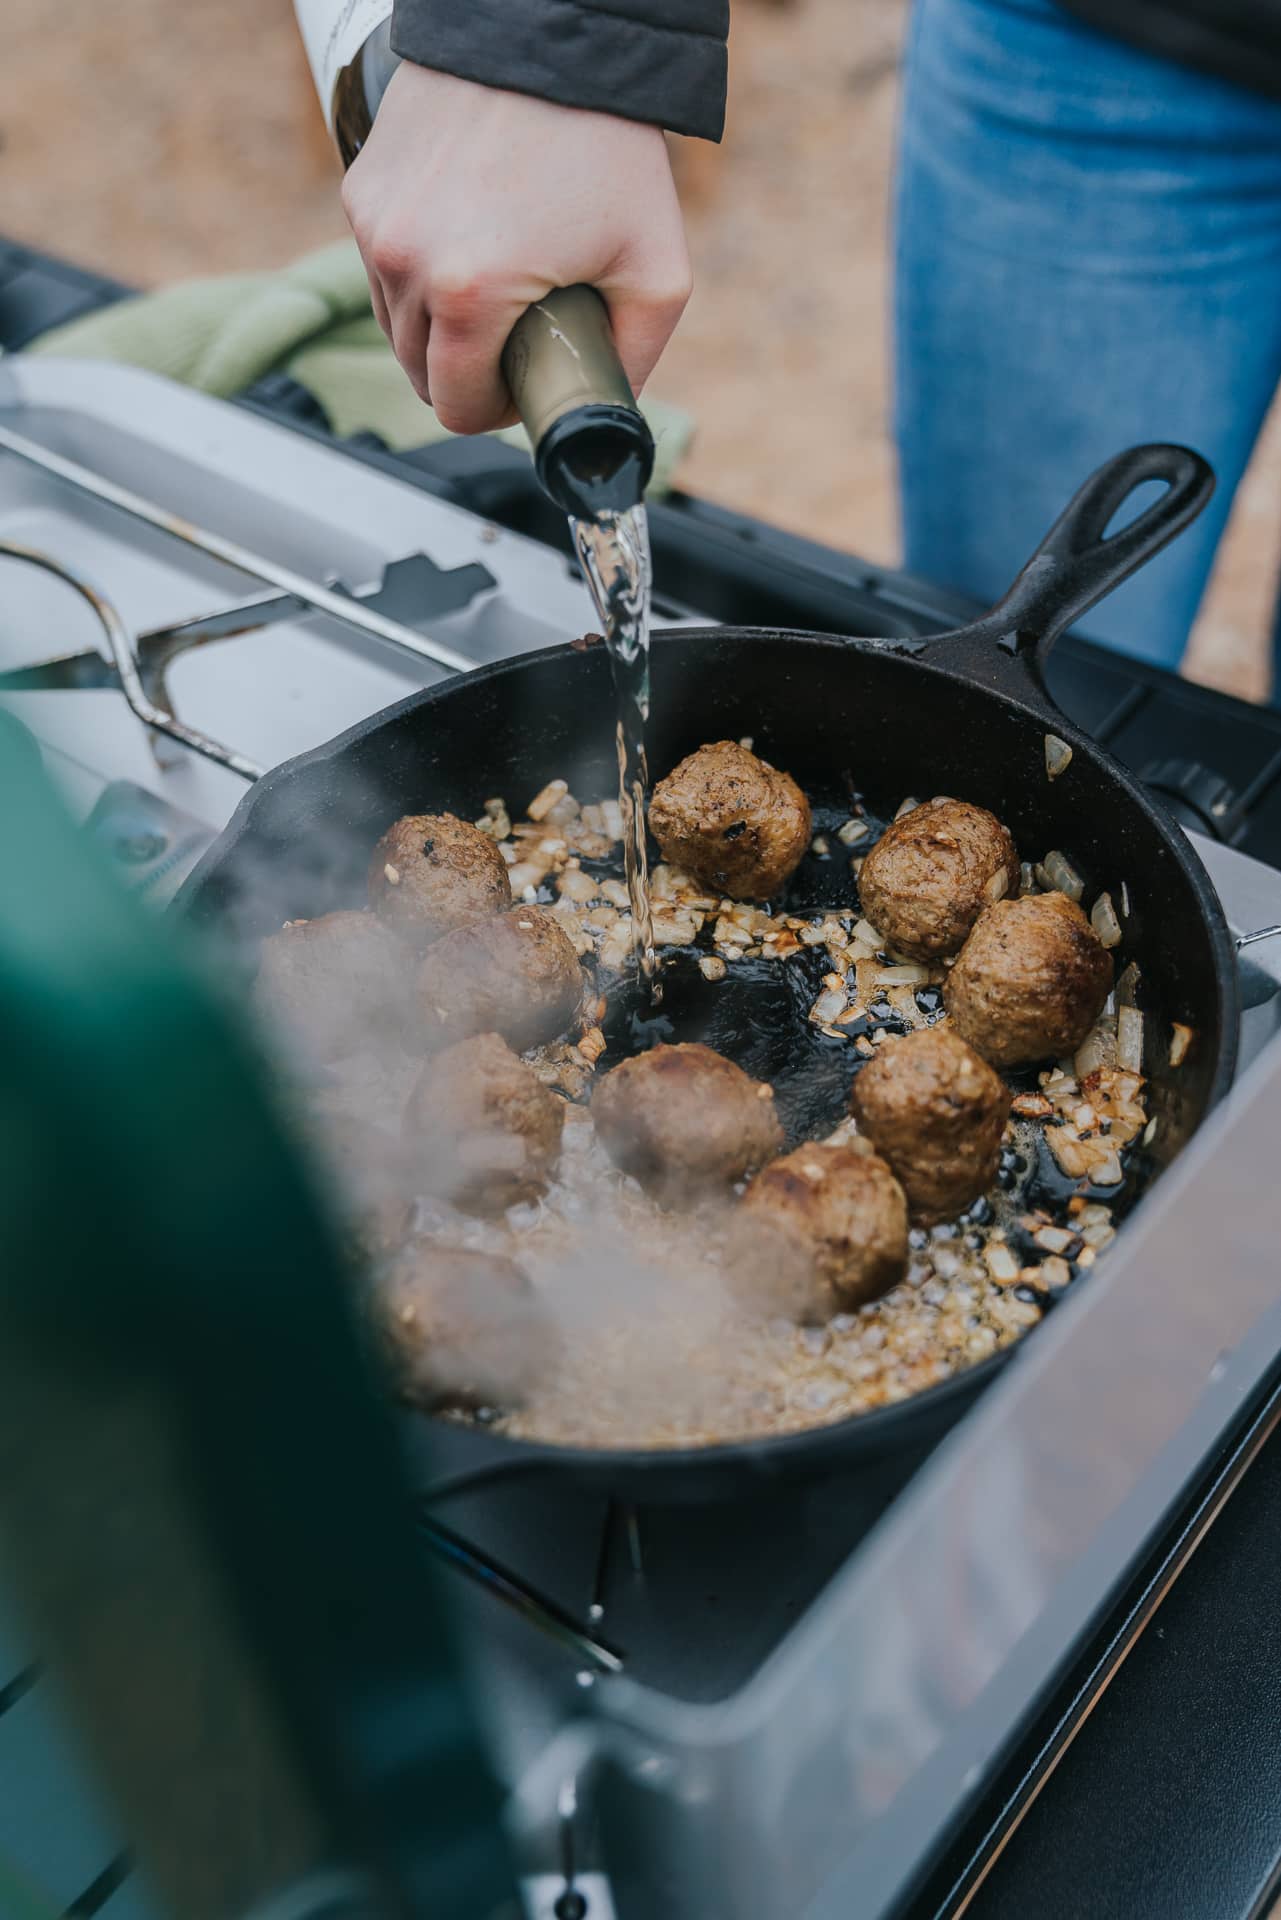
{"x":596,"y":459}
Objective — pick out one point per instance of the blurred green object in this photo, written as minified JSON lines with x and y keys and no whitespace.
{"x":202,"y":1509}
{"x":311,"y":320}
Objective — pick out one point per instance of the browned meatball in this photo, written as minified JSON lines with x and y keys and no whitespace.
{"x":517,"y":975}
{"x":1030,"y":981}
{"x":683,"y":1119}
{"x":484,"y":1130}
{"x":823,"y":1228}
{"x":334,"y":985}
{"x":432,"y":872}
{"x":936,"y":1112}
{"x":932,"y":872}
{"x":352,"y":1123}
{"x":461,"y":1328}
{"x":733,"y":821}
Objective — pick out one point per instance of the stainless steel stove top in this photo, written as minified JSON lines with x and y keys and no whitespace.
{"x":790,"y":1722}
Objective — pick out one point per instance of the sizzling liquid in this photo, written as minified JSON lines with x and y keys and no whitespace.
{"x":613,"y":550}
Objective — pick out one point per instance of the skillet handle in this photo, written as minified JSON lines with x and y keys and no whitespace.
{"x":1075,"y":565}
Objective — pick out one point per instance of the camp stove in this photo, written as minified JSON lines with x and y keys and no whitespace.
{"x":783,"y":1709}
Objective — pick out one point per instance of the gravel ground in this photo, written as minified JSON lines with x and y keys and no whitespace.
{"x":154,"y":141}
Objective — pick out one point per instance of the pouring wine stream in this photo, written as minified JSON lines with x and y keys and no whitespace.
{"x":613,"y":550}
{"x":594,"y":455}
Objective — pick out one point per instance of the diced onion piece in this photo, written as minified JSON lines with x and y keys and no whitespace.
{"x":711,"y":966}
{"x":1104,"y":921}
{"x":1027,"y":878}
{"x":576,"y":885}
{"x":1108,"y":1172}
{"x":1125,"y":901}
{"x":908,"y":806}
{"x":1097,"y":1050}
{"x":819,"y":846}
{"x":1001,"y":1263}
{"x":1061,"y":876}
{"x":998,"y":886}
{"x":827,"y":1006}
{"x":1058,"y":756}
{"x":1126,"y":991}
{"x":1149,"y":1132}
{"x":1070,"y":1153}
{"x":1129,"y":1039}
{"x":543,"y":802}
{"x":864,"y":930}
{"x":852,"y":832}
{"x":909,"y":975}
{"x":1181,"y":1038}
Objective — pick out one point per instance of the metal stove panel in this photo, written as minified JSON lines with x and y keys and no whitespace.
{"x":822,"y":1785}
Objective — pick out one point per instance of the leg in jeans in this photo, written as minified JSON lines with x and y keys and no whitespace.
{"x":1088,"y":255}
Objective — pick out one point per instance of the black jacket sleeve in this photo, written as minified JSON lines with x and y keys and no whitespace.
{"x":1239,"y":40}
{"x":663,"y":61}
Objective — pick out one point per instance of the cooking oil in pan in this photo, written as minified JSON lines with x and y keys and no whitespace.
{"x":613,"y":550}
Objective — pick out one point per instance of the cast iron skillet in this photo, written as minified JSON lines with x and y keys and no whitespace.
{"x":965,"y":713}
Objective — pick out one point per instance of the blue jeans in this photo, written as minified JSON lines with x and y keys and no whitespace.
{"x":1088,"y":255}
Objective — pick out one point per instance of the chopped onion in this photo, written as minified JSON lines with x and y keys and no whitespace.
{"x":1129,"y":1039}
{"x":1058,"y":756}
{"x":711,"y":966}
{"x":1125,"y":900}
{"x":852,"y":832}
{"x":998,"y":886}
{"x":1104,"y":921}
{"x":1027,"y":878}
{"x":1060,"y":876}
{"x":908,"y":806}
{"x":864,"y":931}
{"x":1070,"y":1153}
{"x":1054,"y":1239}
{"x":827,"y":1006}
{"x":909,"y":975}
{"x":1108,"y":1172}
{"x":1097,"y":1052}
{"x":543,"y":802}
{"x":1149,"y":1132}
{"x":1181,"y":1038}
{"x":1126,"y":991}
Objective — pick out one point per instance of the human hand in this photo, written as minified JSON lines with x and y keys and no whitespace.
{"x":469,"y":203}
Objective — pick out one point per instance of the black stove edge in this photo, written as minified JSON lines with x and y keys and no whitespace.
{"x":960,"y":1879}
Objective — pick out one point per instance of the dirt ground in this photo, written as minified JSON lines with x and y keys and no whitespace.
{"x":153,"y":140}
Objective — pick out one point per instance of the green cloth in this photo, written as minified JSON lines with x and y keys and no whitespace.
{"x":311,"y":320}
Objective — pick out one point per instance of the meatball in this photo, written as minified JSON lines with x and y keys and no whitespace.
{"x":932,"y":872}
{"x":936,"y":1112}
{"x":1030,"y":981}
{"x":683,"y":1119}
{"x":823,"y":1228}
{"x":517,"y":975}
{"x":432,"y":872}
{"x":333,"y":985}
{"x":733,"y":821}
{"x":460,"y":1328}
{"x":485,"y":1131}
{"x":352,"y":1124}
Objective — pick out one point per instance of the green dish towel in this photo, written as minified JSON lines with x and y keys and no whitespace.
{"x":311,"y":320}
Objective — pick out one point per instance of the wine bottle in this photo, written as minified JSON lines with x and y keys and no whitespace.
{"x":593,"y":450}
